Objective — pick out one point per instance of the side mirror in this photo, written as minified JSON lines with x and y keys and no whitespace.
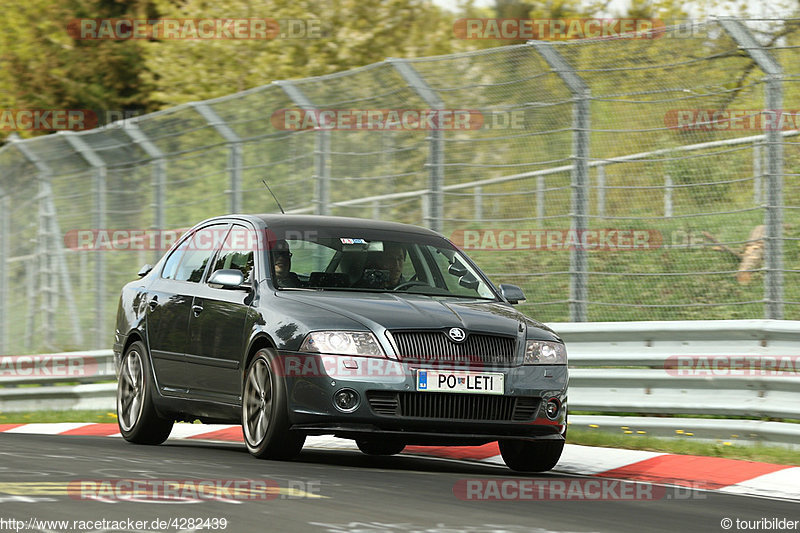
{"x":229,"y":278}
{"x":457,"y":269}
{"x":512,"y":293}
{"x":145,"y":270}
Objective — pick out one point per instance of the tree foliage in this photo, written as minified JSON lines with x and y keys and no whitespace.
{"x":43,"y":67}
{"x":352,"y":33}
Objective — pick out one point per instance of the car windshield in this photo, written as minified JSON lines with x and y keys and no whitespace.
{"x":372,"y":261}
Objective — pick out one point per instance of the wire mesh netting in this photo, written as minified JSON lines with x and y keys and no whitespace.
{"x":616,"y":179}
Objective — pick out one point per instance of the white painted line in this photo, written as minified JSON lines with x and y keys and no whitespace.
{"x":587,"y":460}
{"x":781,"y":484}
{"x":48,"y":428}
{"x":184,"y":431}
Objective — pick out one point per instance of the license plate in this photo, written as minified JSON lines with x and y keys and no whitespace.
{"x":468,"y":382}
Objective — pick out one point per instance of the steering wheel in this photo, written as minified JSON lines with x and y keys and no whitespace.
{"x":408,"y":284}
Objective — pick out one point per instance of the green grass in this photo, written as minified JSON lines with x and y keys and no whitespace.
{"x":686,"y":446}
{"x":765,"y":454}
{"x":33,"y":417}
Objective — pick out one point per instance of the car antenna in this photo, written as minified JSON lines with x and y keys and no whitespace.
{"x":273,"y":195}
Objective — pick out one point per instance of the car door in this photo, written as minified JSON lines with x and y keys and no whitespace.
{"x":216,"y":327}
{"x":170,"y":300}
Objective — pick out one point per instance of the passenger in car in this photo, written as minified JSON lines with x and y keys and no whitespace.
{"x":391,"y":261}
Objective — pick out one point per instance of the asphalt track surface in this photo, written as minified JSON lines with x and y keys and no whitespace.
{"x":324,"y":491}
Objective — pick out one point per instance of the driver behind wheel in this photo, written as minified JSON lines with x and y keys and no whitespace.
{"x":384,"y":270}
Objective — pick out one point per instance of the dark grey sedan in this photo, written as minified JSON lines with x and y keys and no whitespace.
{"x":380,"y":332}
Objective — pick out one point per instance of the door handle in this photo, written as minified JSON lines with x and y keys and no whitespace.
{"x":197,"y":309}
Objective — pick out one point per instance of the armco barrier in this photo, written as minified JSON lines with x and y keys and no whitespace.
{"x":615,"y":367}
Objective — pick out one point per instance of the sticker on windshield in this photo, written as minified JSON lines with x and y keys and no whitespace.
{"x":353,"y":241}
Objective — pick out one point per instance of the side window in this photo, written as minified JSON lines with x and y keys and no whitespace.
{"x":237,"y":252}
{"x":200,"y":249}
{"x":309,"y":256}
{"x":174,"y":259}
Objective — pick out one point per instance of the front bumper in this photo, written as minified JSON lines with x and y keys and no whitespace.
{"x":391,"y":407}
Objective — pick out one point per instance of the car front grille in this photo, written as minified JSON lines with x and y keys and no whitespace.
{"x":453,"y":406}
{"x":436,"y":346}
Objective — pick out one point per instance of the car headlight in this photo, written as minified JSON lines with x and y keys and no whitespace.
{"x":342,"y":343}
{"x":545,"y":353}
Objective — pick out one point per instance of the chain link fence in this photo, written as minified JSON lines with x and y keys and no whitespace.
{"x":600,"y":177}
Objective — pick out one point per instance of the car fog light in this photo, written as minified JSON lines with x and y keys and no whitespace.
{"x":551,"y":408}
{"x":346,"y":400}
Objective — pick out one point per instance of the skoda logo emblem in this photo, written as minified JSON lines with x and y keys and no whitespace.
{"x":457,"y":334}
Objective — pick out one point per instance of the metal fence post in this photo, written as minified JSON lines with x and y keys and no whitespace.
{"x":100,"y":174}
{"x":757,"y":174}
{"x":60,"y":263}
{"x":234,"y":157}
{"x":425,"y":206}
{"x":773,"y":215}
{"x":40,"y":274}
{"x":579,"y":261}
{"x":540,"y":201}
{"x":435,"y":217}
{"x":5,"y":253}
{"x":601,"y":190}
{"x":159,"y":181}
{"x":47,"y":304}
{"x":478,"y":205}
{"x":322,"y":200}
{"x":668,"y":188}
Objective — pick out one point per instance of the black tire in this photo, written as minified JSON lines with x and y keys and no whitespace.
{"x":265,"y":420}
{"x":380,"y":447}
{"x":531,"y":456}
{"x":137,"y":419}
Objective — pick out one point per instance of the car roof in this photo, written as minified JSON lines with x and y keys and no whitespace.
{"x":280,"y":220}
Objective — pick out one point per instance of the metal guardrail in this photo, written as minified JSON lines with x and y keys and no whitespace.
{"x":747,"y":369}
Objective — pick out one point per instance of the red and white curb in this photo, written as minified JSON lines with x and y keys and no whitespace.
{"x":707,"y":473}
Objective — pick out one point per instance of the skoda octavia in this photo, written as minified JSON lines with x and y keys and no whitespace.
{"x":380,"y":332}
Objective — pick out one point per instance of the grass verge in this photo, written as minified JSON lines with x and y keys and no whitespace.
{"x":766,"y":454}
{"x":34,"y":417}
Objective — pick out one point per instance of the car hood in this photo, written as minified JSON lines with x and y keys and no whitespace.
{"x":393,"y":311}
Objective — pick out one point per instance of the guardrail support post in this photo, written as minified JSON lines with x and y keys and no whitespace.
{"x":773,"y":215}
{"x":579,"y":261}
{"x":435,"y":216}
